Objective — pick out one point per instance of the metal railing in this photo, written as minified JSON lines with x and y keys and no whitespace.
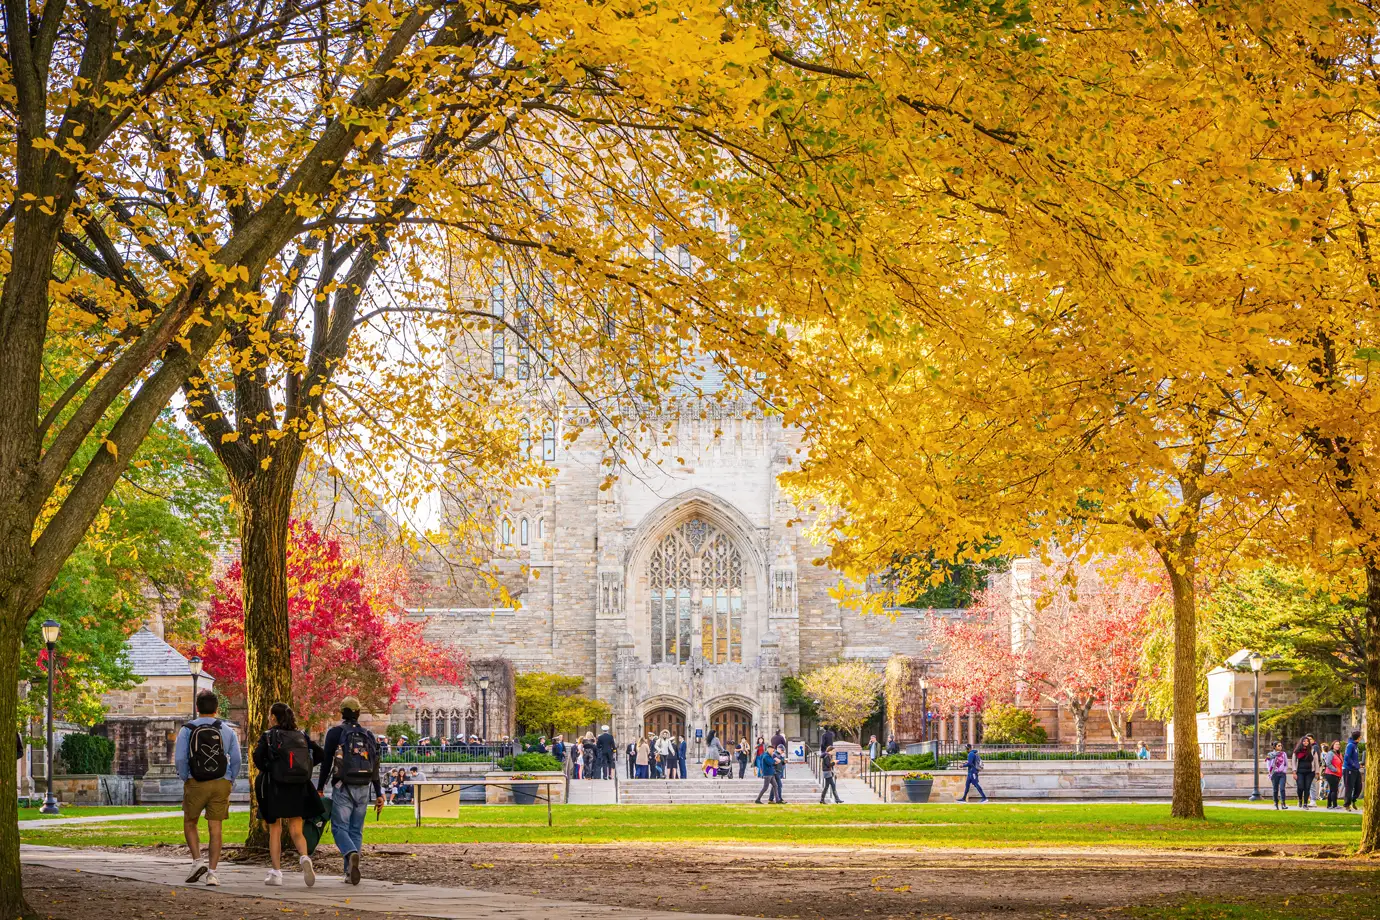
{"x":953,"y":750}
{"x":1207,"y":750}
{"x":482,"y":754}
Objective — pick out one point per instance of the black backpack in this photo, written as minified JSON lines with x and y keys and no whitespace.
{"x":291,"y":757}
{"x":358,"y":755}
{"x":206,"y":758}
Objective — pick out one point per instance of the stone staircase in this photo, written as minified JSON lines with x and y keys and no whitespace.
{"x":799,"y":788}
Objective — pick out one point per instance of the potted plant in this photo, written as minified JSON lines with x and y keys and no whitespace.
{"x":524,"y":792}
{"x":917,"y":786}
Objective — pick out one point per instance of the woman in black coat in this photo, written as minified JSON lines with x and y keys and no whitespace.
{"x":283,"y":803}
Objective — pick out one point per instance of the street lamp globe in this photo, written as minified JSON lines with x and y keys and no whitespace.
{"x":484,"y":683}
{"x":51,"y":630}
{"x":194,"y":665}
{"x":924,"y":683}
{"x":1257,"y":661}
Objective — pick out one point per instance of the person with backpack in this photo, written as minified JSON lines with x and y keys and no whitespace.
{"x":1351,"y":771}
{"x":207,"y":757}
{"x":974,"y":765}
{"x":827,"y":766}
{"x":352,"y":767}
{"x":766,"y":768}
{"x":286,"y":758}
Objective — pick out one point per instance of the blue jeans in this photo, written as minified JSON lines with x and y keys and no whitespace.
{"x":1277,"y":781}
{"x":349,"y":808}
{"x":681,"y":762}
{"x":641,"y":771}
{"x":973,"y":784}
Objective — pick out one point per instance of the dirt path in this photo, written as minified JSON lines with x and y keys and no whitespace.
{"x":59,"y":895}
{"x":831,"y":882}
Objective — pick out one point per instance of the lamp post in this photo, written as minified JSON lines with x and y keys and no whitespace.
{"x":924,"y":709}
{"x":1257,"y":662}
{"x":484,"y":705}
{"x":51,"y":630}
{"x":194,"y":665}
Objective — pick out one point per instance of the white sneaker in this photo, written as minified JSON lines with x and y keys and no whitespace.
{"x":275,"y":878}
{"x":308,"y":871}
{"x":211,"y":877}
{"x":198,"y":870}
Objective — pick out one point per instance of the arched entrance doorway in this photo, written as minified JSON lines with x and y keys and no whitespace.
{"x":731,"y":725}
{"x":671,"y":720}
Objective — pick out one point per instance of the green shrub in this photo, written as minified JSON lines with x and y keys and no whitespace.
{"x":399,"y":730}
{"x":530,"y":763}
{"x":892,"y":762}
{"x":1058,"y":755}
{"x":87,"y":753}
{"x":1005,"y":724}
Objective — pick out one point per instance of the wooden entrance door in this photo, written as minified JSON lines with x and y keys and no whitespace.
{"x":730,"y":726}
{"x":671,"y":720}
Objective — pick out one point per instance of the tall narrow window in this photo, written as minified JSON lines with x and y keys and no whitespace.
{"x":548,"y":441}
{"x":541,"y":528}
{"x":522,"y":318}
{"x":505,"y":532}
{"x":496,"y":309}
{"x":524,"y":536}
{"x":658,"y":245}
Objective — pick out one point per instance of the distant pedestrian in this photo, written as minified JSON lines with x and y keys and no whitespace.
{"x":1351,"y":771}
{"x":1143,"y":752}
{"x":286,"y":758}
{"x":974,"y":765}
{"x":603,"y":754}
{"x":352,"y":768}
{"x":207,"y":758}
{"x":1303,"y":770}
{"x":778,"y":764}
{"x":766,"y":769}
{"x":743,"y":757}
{"x":642,"y":757}
{"x":680,"y":757}
{"x":1277,"y":765}
{"x":1332,"y":771}
{"x":874,"y":750}
{"x":827,"y":765}
{"x":778,"y":740}
{"x":826,"y":739}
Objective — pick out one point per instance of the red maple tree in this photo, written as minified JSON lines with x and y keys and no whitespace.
{"x":1079,"y":643}
{"x":348,"y":630}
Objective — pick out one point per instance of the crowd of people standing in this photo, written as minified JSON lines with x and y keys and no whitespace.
{"x":1320,"y":771}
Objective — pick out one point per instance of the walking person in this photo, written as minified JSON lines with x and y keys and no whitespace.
{"x":1277,"y":765}
{"x":778,"y":764}
{"x":352,"y":768}
{"x":974,"y":765}
{"x":874,"y":750}
{"x":1303,"y":770}
{"x":1332,"y":772}
{"x":207,"y":757}
{"x":827,"y":765}
{"x":286,"y":758}
{"x":826,"y":739}
{"x":742,"y":757}
{"x":1351,"y":771}
{"x":766,"y":769}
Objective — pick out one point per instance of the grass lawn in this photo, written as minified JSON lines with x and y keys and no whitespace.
{"x":1359,"y":906}
{"x":938,"y":826}
{"x":86,"y":811}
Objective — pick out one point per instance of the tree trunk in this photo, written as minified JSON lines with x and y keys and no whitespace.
{"x":1115,"y":720}
{"x":1188,"y":768}
{"x":1370,"y":798}
{"x":265,"y":506}
{"x":12,"y":620}
{"x":1080,"y":726}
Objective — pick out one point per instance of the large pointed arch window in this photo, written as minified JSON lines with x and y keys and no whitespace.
{"x":695,"y":584}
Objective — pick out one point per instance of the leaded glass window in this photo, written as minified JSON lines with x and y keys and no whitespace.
{"x":696,"y":562}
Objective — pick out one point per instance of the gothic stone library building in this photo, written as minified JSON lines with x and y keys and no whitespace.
{"x":682,"y":594}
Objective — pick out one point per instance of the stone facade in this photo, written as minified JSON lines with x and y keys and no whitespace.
{"x":156,"y":697}
{"x":682,"y":592}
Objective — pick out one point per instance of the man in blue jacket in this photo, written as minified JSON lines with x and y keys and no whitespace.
{"x":766,"y":765}
{"x":680,"y":757}
{"x":1351,"y":771}
{"x":974,"y":768}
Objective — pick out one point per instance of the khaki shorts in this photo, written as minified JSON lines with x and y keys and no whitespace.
{"x":211,"y":796}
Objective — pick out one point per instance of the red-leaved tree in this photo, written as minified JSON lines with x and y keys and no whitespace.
{"x":1079,"y":643}
{"x":348,"y":632}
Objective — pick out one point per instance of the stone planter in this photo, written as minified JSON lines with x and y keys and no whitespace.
{"x":525,"y":793}
{"x":917,"y":790}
